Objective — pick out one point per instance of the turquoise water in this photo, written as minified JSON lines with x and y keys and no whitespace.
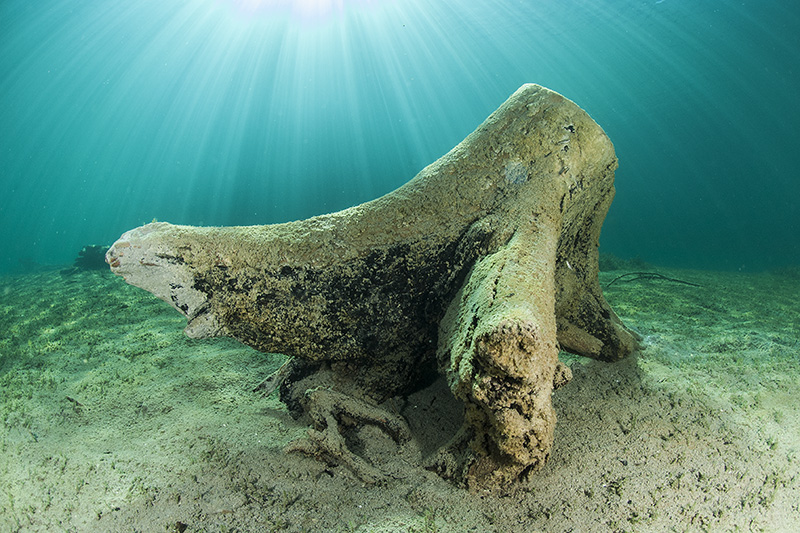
{"x":248,"y":112}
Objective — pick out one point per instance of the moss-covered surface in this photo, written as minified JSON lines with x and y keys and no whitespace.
{"x":112,"y":420}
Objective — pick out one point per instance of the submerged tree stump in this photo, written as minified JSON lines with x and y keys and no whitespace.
{"x":481,"y":267}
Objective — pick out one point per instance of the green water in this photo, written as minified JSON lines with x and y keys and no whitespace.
{"x":248,"y":112}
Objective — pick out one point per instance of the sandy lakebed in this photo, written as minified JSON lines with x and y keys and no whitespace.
{"x":113,"y":420}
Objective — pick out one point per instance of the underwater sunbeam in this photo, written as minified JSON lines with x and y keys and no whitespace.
{"x":303,"y":10}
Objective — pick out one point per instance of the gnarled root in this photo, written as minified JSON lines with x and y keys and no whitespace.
{"x":334,"y":414}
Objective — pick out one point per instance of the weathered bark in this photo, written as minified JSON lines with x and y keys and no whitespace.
{"x":483,"y":265}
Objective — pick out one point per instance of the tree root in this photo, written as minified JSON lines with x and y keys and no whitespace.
{"x":332,"y":414}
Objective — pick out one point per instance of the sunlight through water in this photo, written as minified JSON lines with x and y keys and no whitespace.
{"x":227,"y":112}
{"x":303,"y":10}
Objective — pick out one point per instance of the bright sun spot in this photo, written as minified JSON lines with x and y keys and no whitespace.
{"x":301,"y":9}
